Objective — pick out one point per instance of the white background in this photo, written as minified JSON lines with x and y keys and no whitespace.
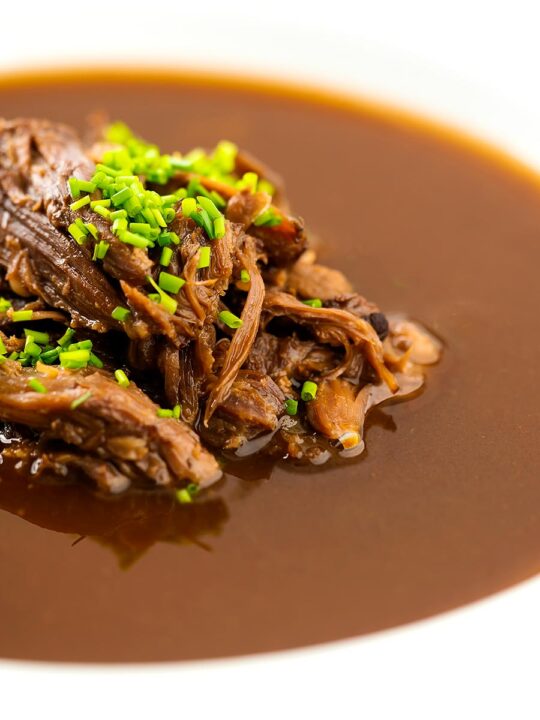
{"x":475,"y":64}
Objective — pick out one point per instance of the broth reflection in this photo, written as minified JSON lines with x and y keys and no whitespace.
{"x":129,"y":524}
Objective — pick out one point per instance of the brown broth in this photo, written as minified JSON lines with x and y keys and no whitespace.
{"x":444,"y":508}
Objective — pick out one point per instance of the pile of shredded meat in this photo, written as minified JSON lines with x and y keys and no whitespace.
{"x":251,"y":347}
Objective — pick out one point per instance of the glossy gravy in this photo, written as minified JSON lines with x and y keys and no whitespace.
{"x":443,"y":508}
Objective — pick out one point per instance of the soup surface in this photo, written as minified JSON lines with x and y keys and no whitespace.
{"x":444,"y":507}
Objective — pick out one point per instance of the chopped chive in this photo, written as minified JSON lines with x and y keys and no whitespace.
{"x":203,"y":220}
{"x":119,"y":225}
{"x":313,"y":302}
{"x":193,"y":489}
{"x":164,"y":413}
{"x":102,"y":211}
{"x":183,"y":496}
{"x":245,"y":277}
{"x":268,"y":218}
{"x":266,"y":186}
{"x":170,"y":283}
{"x":133,"y":239}
{"x":291,"y":406}
{"x":94,"y":361}
{"x":80,"y":400}
{"x":77,"y":233}
{"x":120,"y":313}
{"x":81,"y":225}
{"x":82,"y":345}
{"x":107,"y":170}
{"x":189,"y":206}
{"x":122,"y":196}
{"x":66,"y":337}
{"x":104,"y":202}
{"x":168,"y":238}
{"x":177,"y":411}
{"x":204,"y":257}
{"x":166,"y":257}
{"x":159,"y":218}
{"x":50,"y":356}
{"x":209,"y":206}
{"x":31,"y":348}
{"x":165,"y":300}
{"x":87,"y":186}
{"x":78,"y":204}
{"x":100,"y":250}
{"x":169,"y":214}
{"x":121,"y":378}
{"x":218,"y":200}
{"x":4,"y":305}
{"x":37,"y":386}
{"x":3,"y":349}
{"x":116,"y":214}
{"x":74,"y":189}
{"x":21,"y":315}
{"x":92,"y":229}
{"x":74,"y":358}
{"x":149,"y":217}
{"x":224,"y":156}
{"x":219,"y":227}
{"x":41,"y":338}
{"x":309,"y":391}
{"x":13,"y":355}
{"x":249,"y":182}
{"x":230,"y":319}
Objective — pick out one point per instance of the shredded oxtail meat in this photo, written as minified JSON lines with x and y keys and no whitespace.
{"x":163,"y":313}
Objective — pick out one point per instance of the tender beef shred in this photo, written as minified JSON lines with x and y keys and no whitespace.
{"x":236,"y":387}
{"x":115,"y":432}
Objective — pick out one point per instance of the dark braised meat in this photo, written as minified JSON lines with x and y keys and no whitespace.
{"x":200,"y":284}
{"x":113,"y":434}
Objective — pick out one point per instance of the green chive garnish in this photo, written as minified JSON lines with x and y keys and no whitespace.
{"x":170,"y":283}
{"x":219,"y":227}
{"x":121,"y":378}
{"x":245,"y":276}
{"x":78,"y":234}
{"x":66,"y":337}
{"x":37,"y":386}
{"x":183,"y":496}
{"x":204,"y":257}
{"x":21,"y":315}
{"x":309,"y":391}
{"x":313,"y":302}
{"x":41,"y":338}
{"x":80,"y":400}
{"x":100,"y":203}
{"x":164,"y":413}
{"x":165,"y":300}
{"x":86,"y":186}
{"x":74,"y":359}
{"x":189,"y":206}
{"x":291,"y":406}
{"x":95,"y":361}
{"x":209,"y":206}
{"x":78,"y":204}
{"x":120,"y":313}
{"x":74,"y":188}
{"x":230,"y":319}
{"x":177,"y":411}
{"x":166,"y":257}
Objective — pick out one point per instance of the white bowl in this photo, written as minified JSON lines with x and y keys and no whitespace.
{"x":453,"y":62}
